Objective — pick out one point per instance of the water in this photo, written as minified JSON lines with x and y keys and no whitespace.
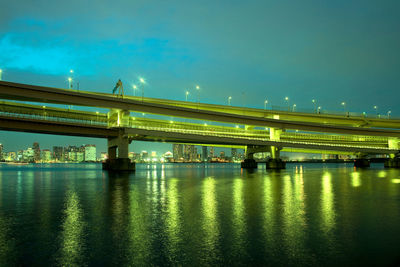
{"x":215,"y":214}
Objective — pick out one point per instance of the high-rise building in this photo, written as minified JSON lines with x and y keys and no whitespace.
{"x":189,"y":152}
{"x":177,"y":152}
{"x":80,"y":156}
{"x":211,"y":152}
{"x":204,"y":154}
{"x":1,"y":151}
{"x":46,"y":155}
{"x":28,"y":155}
{"x":58,"y":153}
{"x":222,"y":154}
{"x":90,"y":153}
{"x":234,"y":153}
{"x":144,"y":155}
{"x":36,"y":149}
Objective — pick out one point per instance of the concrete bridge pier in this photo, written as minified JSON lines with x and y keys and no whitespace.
{"x":275,"y":162}
{"x":394,"y":159}
{"x":361,"y":161}
{"x":249,"y":162}
{"x":118,"y":160}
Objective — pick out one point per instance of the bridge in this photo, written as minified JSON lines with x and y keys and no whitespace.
{"x":261,"y":130}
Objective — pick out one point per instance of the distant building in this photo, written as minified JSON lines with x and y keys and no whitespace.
{"x":80,"y":156}
{"x":234,"y":153}
{"x":46,"y":155}
{"x":90,"y":153}
{"x":28,"y":155}
{"x":11,"y":156}
{"x":212,"y":152}
{"x":189,"y":152}
{"x":36,"y":149}
{"x":222,"y":154}
{"x":103,"y":156}
{"x":144,"y":155}
{"x":177,"y":150}
{"x":58,"y":153}
{"x":204,"y":154}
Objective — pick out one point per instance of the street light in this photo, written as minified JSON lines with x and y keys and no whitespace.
{"x":69,"y":82}
{"x":229,"y":100}
{"x":376,"y":109}
{"x":187,"y":93}
{"x":315,"y":105}
{"x":287,"y":100}
{"x":388,"y":114}
{"x":134,"y":89}
{"x":294,"y":107}
{"x":143,"y":82}
{"x":198,"y":93}
{"x":319,"y":110}
{"x":1,"y":72}
{"x":265,"y":103}
{"x":344,"y":106}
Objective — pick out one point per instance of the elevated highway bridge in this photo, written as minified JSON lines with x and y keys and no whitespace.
{"x":264,"y":129}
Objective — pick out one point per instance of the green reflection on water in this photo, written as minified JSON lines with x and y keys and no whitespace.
{"x":327,"y":203}
{"x":72,"y":243}
{"x":293,"y":217}
{"x":355,"y":179}
{"x":173,"y":219}
{"x":238,"y":224}
{"x":210,"y":224}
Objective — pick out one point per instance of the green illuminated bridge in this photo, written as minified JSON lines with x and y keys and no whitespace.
{"x":256,"y":130}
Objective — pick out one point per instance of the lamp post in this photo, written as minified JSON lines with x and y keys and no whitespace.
{"x":69,"y":82}
{"x":388,"y":114}
{"x":186,"y":94}
{"x":344,"y":106}
{"x":315,"y":105}
{"x":319,"y":110}
{"x":294,"y":107}
{"x":1,"y":72}
{"x":142,"y":82}
{"x":287,"y":100}
{"x":134,"y":87}
{"x":376,"y":110}
{"x":198,"y":93}
{"x":229,"y":100}
{"x":265,"y":103}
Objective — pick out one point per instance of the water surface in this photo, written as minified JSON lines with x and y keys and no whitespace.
{"x":202,"y":214}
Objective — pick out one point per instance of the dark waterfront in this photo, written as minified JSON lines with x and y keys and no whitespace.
{"x":213,"y":214}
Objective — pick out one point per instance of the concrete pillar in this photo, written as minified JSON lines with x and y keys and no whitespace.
{"x":249,"y":162}
{"x":275,"y":162}
{"x":118,"y":149}
{"x":393,"y":161}
{"x":361,"y":161}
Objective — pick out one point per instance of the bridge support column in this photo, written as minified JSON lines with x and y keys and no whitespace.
{"x":275,"y":162}
{"x":394,"y":160}
{"x":361,"y":161}
{"x":249,"y":162}
{"x":118,"y":160}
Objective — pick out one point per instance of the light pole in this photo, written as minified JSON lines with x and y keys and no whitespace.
{"x":69,"y":82}
{"x":229,"y":100}
{"x":142,"y":82}
{"x":344,"y":106}
{"x":1,"y":72}
{"x":265,"y":103}
{"x":187,"y":93}
{"x":315,"y":105}
{"x":287,"y":100}
{"x":319,"y":110}
{"x":294,"y":107}
{"x":376,"y":110}
{"x":134,"y":89}
{"x":198,"y":93}
{"x":388,"y":114}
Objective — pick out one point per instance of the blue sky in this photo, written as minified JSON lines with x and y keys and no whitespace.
{"x":331,"y":51}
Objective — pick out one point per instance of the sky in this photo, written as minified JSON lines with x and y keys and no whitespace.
{"x":330,"y":51}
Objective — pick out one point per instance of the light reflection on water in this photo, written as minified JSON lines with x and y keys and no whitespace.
{"x":199,"y":214}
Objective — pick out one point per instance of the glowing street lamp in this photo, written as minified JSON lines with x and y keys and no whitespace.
{"x":287,"y":100}
{"x":134,"y":89}
{"x":294,"y":107}
{"x":142,"y":82}
{"x":376,"y":109}
{"x":198,"y":93}
{"x":319,"y":110}
{"x":1,"y":72}
{"x":265,"y":103}
{"x":187,"y":93}
{"x":344,"y":106}
{"x":315,"y":105}
{"x":69,"y":82}
{"x":229,"y":100}
{"x":388,"y":114}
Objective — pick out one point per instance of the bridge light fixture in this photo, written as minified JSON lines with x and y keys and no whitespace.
{"x":186,"y":94}
{"x":205,"y":124}
{"x":43,"y":106}
{"x":388,"y":114}
{"x":1,"y":72}
{"x":97,"y":112}
{"x":229,"y":100}
{"x":287,"y":100}
{"x":198,"y":93}
{"x":71,"y":71}
{"x":265,"y":103}
{"x":69,"y":82}
{"x":236,"y":126}
{"x":171,"y":121}
{"x":294,"y":107}
{"x":134,"y":89}
{"x":315,"y":105}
